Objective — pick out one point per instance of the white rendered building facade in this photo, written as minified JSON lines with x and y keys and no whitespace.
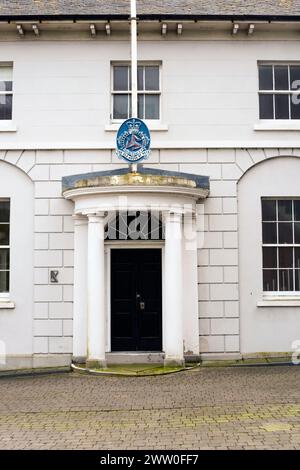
{"x":221,"y":105}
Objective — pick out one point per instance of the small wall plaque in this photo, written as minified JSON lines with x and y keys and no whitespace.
{"x":54,"y":277}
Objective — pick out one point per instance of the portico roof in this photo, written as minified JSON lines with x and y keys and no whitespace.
{"x":143,"y":177}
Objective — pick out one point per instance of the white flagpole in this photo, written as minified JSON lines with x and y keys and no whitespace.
{"x":134,"y":94}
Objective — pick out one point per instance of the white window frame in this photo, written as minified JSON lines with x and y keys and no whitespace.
{"x":5,"y":295}
{"x":278,"y":293}
{"x":3,"y":122}
{"x":140,"y":92}
{"x":278,"y":92}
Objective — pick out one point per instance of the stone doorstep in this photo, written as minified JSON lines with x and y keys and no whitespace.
{"x":134,"y":358}
{"x":143,"y":358}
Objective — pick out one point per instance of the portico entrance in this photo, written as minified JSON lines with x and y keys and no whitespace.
{"x":132,"y":298}
{"x":136,"y":300}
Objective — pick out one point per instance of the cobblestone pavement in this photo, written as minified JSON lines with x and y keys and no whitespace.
{"x":208,"y":408}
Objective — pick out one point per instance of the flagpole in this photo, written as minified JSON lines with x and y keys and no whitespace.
{"x":134,"y":59}
{"x":134,"y":87}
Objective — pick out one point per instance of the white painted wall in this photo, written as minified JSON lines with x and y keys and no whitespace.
{"x":269,"y":329}
{"x":62,"y":100}
{"x":16,"y":325}
{"x":209,"y":90}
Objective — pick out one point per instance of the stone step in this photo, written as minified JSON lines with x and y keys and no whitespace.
{"x":135,"y":358}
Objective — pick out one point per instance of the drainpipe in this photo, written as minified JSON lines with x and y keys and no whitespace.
{"x":134,"y":91}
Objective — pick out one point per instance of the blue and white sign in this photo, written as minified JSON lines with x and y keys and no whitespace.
{"x":133,"y":141}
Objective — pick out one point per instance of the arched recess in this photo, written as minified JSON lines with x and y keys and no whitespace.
{"x":16,"y":310}
{"x":269,"y":323}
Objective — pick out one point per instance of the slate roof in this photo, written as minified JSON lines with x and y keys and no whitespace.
{"x":150,"y":8}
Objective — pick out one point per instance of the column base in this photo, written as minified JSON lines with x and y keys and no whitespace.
{"x":174,"y":361}
{"x":79,"y":359}
{"x":96,"y":364}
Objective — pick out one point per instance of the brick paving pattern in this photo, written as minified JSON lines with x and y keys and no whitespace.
{"x":208,"y":408}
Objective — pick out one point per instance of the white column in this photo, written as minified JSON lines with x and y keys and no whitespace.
{"x":173,"y":321}
{"x":80,"y":289}
{"x":190,"y":286}
{"x":96,"y":291}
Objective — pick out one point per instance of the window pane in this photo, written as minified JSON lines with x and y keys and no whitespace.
{"x":5,"y":86}
{"x":4,"y":281}
{"x":4,"y":258}
{"x":4,"y":211}
{"x":5,"y":107}
{"x":286,"y":280}
{"x":281,"y":106}
{"x":268,"y":210}
{"x":140,"y":78}
{"x":266,"y":110}
{"x":152,"y":78}
{"x":151,"y":107}
{"x":4,"y":234}
{"x":284,"y":210}
{"x":295,"y":77}
{"x":120,"y":107}
{"x":270,"y":280}
{"x":285,"y":257}
{"x":297,"y":209}
{"x":297,"y":232}
{"x":295,"y":106}
{"x":121,"y":78}
{"x":269,"y":233}
{"x":285,"y":232}
{"x":297,"y":257}
{"x":141,"y":100}
{"x":281,"y":77}
{"x":265,"y":77}
{"x":297,"y":279}
{"x":269,"y":257}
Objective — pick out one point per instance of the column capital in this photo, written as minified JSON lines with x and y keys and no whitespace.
{"x":95,"y":216}
{"x":172,"y":216}
{"x":79,"y":219}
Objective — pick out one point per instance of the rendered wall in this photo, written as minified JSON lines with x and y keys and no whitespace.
{"x":16,"y":325}
{"x":263,"y":328}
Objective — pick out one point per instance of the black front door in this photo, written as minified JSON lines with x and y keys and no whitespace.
{"x":136,"y":300}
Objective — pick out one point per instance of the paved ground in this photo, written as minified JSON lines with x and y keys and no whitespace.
{"x":210,"y":408}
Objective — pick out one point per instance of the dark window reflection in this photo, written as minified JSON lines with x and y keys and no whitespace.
{"x":265,"y":73}
{"x":284,"y":210}
{"x":266,"y":107}
{"x":285,"y":257}
{"x":269,"y":257}
{"x":286,"y":280}
{"x":269,"y":233}
{"x":268,"y":210}
{"x":285,"y":232}
{"x":270,"y":280}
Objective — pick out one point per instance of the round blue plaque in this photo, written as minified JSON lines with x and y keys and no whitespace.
{"x":133,"y":141}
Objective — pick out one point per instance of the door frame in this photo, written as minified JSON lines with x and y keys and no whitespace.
{"x":128,"y":244}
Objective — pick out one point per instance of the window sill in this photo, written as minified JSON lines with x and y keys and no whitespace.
{"x":286,"y":301}
{"x":7,"y":126}
{"x":278,"y":125}
{"x":7,"y":304}
{"x":113,"y":127}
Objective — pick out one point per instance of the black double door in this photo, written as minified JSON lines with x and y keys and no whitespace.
{"x":136,"y":300}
